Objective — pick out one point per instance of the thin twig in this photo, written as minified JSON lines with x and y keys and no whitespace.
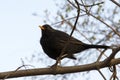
{"x":114,"y":75}
{"x":91,"y":5}
{"x":102,"y":74}
{"x":78,"y":13}
{"x":115,"y":3}
{"x":72,"y":4}
{"x":98,"y":67}
{"x":85,"y":7}
{"x":68,"y":19}
{"x":101,"y":55}
{"x":103,"y":22}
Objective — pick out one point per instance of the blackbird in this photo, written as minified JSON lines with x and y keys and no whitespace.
{"x":53,"y":41}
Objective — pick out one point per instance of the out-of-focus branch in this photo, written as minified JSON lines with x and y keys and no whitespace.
{"x":91,"y":5}
{"x":103,"y":22}
{"x":66,"y":19}
{"x":87,"y":12}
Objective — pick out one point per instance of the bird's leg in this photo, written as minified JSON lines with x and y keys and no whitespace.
{"x":56,"y":66}
{"x":58,"y":61}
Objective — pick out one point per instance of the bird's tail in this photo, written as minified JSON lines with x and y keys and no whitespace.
{"x":99,"y":46}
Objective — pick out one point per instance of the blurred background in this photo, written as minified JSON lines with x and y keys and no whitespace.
{"x":20,"y":34}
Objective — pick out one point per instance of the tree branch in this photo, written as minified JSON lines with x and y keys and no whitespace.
{"x":115,"y":3}
{"x":91,"y":5}
{"x":113,"y":54}
{"x":59,"y":70}
{"x":117,"y":33}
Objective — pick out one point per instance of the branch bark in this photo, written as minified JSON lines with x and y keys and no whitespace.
{"x":59,"y":70}
{"x":110,"y":61}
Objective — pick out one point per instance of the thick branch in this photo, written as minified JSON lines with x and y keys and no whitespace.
{"x":59,"y":70}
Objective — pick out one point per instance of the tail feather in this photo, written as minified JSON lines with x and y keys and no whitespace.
{"x":98,"y":46}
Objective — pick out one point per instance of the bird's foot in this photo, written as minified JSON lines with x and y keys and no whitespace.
{"x":55,"y":67}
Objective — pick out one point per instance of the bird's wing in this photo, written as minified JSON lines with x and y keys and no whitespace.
{"x":75,"y":41}
{"x":72,"y":41}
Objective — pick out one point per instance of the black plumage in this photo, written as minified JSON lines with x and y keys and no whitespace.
{"x":53,"y":41}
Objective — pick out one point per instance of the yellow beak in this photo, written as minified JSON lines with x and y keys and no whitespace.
{"x":41,"y":27}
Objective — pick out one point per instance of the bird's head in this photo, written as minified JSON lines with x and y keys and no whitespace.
{"x":45,"y":27}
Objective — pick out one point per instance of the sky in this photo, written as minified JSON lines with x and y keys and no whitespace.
{"x":19,"y":31}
